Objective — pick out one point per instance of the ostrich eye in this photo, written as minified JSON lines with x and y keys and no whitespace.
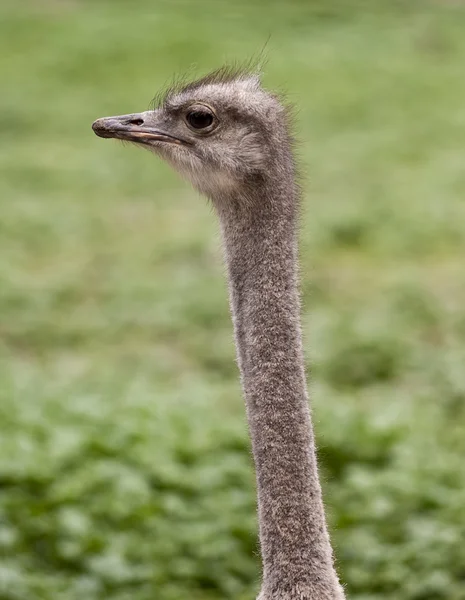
{"x":200,"y":118}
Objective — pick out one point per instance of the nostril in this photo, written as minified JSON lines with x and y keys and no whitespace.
{"x":137,"y":122}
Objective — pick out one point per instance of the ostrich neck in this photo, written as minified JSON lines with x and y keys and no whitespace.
{"x":261,"y":254}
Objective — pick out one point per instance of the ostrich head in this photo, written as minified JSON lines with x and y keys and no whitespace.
{"x":216,"y":131}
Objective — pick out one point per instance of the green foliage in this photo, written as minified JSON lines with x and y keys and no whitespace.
{"x":125,"y":467}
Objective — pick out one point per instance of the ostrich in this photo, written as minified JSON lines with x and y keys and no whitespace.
{"x":231,"y":139}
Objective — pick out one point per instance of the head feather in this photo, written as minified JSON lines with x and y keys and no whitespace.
{"x":230,"y":73}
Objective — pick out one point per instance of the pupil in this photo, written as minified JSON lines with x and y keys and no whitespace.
{"x":199,"y":119}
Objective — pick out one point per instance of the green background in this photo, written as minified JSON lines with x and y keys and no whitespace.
{"x":125,"y":467}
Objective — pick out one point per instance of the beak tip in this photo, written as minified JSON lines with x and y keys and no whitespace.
{"x":99,"y":128}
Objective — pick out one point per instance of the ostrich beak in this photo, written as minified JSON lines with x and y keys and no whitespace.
{"x":133,"y":128}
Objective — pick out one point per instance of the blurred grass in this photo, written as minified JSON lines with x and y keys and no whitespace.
{"x":125,"y":468}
